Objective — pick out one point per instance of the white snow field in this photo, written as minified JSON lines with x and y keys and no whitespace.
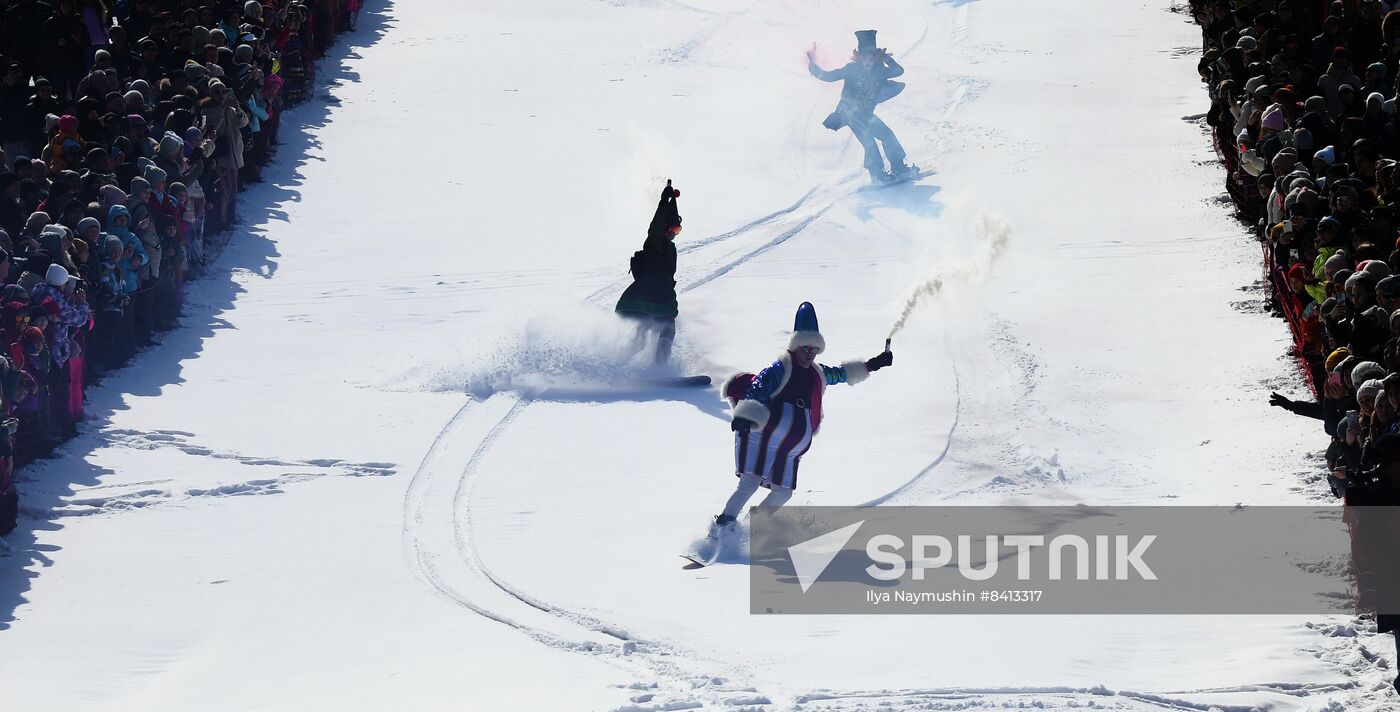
{"x":380,"y":465}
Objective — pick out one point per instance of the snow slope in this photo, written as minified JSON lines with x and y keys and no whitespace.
{"x":408,"y":348}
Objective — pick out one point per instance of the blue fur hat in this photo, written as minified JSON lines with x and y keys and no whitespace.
{"x":804,"y":329}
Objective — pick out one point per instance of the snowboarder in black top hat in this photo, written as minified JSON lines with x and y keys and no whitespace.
{"x":868,"y":82}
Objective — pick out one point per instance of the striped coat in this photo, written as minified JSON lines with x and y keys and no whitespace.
{"x":784,"y":402}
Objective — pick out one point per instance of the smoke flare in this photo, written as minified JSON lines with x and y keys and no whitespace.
{"x":993,"y":233}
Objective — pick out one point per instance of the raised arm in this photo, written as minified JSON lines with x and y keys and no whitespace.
{"x":831,"y":76}
{"x":854,"y":372}
{"x":892,"y":67}
{"x":666,"y":212}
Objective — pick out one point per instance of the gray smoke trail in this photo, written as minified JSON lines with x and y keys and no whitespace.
{"x":993,"y":233}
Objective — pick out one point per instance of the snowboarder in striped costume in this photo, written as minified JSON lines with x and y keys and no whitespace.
{"x":778,"y":411}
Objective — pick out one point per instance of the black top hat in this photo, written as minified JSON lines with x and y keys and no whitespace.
{"x":865,"y":41}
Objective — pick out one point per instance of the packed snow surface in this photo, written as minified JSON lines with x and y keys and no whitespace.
{"x":393,"y":459}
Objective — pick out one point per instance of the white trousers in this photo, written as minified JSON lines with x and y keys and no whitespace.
{"x":748,"y":484}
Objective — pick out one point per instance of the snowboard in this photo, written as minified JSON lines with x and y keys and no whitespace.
{"x":704,"y":551}
{"x":692,"y":562}
{"x":679,"y":382}
{"x":912,"y":175}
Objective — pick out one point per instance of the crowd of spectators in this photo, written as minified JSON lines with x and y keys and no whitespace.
{"x":127,"y":129}
{"x":1303,"y":113}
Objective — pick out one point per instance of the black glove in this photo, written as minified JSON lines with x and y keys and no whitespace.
{"x":879,"y":362}
{"x":741,"y":425}
{"x":668,"y":191}
{"x":1276,"y":399}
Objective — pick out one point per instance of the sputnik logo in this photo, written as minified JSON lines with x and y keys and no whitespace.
{"x":810,"y":558}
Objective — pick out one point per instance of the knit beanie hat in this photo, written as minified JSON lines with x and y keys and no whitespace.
{"x":1359,"y":278}
{"x":170,"y":144}
{"x":154,"y":175}
{"x":1366,"y":370}
{"x":1335,"y":358}
{"x":1389,"y":287}
{"x":1303,"y":141}
{"x":1336,"y":263}
{"x":56,"y":275}
{"x":1375,"y":267}
{"x":112,"y":195}
{"x":1368,"y":390}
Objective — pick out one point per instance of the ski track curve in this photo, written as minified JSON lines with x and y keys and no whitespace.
{"x":465,"y":581}
{"x":423,"y":561}
{"x":947,"y":445}
{"x":466,"y":544}
{"x":417,"y":517}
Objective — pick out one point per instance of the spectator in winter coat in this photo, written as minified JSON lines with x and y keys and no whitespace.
{"x":145,"y":226}
{"x":133,"y":256}
{"x":66,"y":41}
{"x":111,"y":278}
{"x":161,"y":204}
{"x":12,"y":213}
{"x":36,"y":223}
{"x":66,"y":147}
{"x":224,"y":121}
{"x":41,"y":105}
{"x":14,"y":95}
{"x":72,"y":310}
{"x":170,"y":159}
{"x":1326,"y":43}
{"x":1338,"y":74}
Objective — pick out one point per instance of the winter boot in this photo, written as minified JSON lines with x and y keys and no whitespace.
{"x":664,"y":340}
{"x":880,"y":177}
{"x":902,"y":171}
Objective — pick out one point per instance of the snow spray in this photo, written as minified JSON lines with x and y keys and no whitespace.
{"x":993,"y":233}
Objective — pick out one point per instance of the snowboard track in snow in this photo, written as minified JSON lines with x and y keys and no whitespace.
{"x":468,"y":581}
{"x":108,"y":499}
